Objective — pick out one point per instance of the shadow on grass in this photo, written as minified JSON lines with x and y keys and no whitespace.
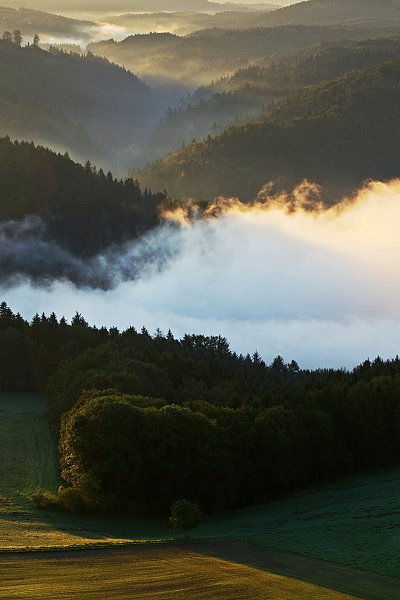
{"x":106,"y":528}
{"x":340,"y":578}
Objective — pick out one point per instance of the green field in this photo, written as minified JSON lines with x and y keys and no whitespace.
{"x":355,"y":523}
{"x":28,"y":451}
{"x":29,"y":463}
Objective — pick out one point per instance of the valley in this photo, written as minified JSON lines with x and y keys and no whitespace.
{"x":199,"y":299}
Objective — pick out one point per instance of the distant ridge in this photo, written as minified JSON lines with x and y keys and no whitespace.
{"x":85,"y":105}
{"x":333,"y":12}
{"x":337,"y":134}
{"x":31,"y":21}
{"x":145,"y":5}
{"x":245,"y":95}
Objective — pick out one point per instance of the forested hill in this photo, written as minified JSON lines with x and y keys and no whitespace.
{"x":336,"y":134}
{"x":207,"y":54}
{"x":37,"y":21}
{"x":331,"y":12}
{"x":103,"y":6}
{"x":189,"y":418}
{"x":242,"y":96}
{"x":81,"y":209}
{"x":311,"y":66}
{"x":185,"y":22}
{"x":86,"y":105}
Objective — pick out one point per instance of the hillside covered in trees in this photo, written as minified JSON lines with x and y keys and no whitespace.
{"x":44,"y":23}
{"x":242,"y":96}
{"x":144,"y":419}
{"x":93,"y":109}
{"x":140,"y":6}
{"x":378,"y":13}
{"x":330,"y":12}
{"x":190,"y":418}
{"x":79,"y":208}
{"x":211,"y":53}
{"x":336,"y":134}
{"x":186,"y":22}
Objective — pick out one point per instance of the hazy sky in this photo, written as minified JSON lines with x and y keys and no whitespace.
{"x":280,"y":2}
{"x":49,"y":3}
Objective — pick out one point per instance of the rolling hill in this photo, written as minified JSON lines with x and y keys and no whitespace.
{"x":46,"y":197}
{"x":285,"y":416}
{"x":84,"y":105}
{"x":332,"y":12}
{"x":185,"y":22}
{"x":363,"y":506}
{"x":242,"y":96}
{"x":209,"y":54}
{"x":337,"y":134}
{"x":37,"y":21}
{"x":378,"y":14}
{"x":107,"y":6}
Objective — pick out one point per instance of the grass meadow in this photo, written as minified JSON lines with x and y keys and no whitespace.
{"x":354,"y":524}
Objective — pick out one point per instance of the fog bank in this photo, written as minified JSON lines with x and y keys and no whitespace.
{"x":322,"y":288}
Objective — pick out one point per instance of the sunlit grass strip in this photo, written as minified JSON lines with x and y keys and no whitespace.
{"x":93,"y":545}
{"x":177,"y":573}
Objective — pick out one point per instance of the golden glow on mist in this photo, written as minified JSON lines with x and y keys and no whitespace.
{"x":363,"y":226}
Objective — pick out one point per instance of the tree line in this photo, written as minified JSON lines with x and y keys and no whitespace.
{"x":143,"y":420}
{"x":92,"y":108}
{"x":327,"y":120}
{"x":16,"y":38}
{"x":245,"y":95}
{"x":68,"y":196}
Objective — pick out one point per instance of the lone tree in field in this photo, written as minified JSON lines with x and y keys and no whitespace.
{"x":185,"y":515}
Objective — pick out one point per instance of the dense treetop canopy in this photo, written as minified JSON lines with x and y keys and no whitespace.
{"x":336,"y":134}
{"x":83,"y":104}
{"x":246,"y":94}
{"x":83,"y":209}
{"x":190,"y":419}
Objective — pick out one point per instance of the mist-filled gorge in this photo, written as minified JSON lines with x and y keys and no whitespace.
{"x":317,"y":285}
{"x":199,"y":299}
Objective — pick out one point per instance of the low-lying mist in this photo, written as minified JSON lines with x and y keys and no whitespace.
{"x":320,"y":286}
{"x":86,"y":35}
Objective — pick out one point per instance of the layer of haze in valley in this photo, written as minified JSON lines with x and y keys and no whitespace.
{"x":47,"y":114}
{"x":200,"y":298}
{"x":104,"y":19}
{"x":319,"y":287}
